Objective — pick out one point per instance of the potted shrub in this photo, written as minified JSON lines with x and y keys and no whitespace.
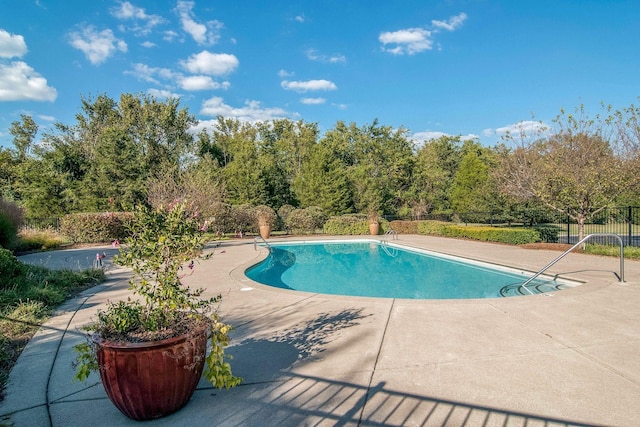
{"x":150,"y":350}
{"x":267,"y":218}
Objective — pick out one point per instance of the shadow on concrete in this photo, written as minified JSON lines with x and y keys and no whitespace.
{"x":297,"y":399}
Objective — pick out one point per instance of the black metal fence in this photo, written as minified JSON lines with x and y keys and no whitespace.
{"x":623,"y":221}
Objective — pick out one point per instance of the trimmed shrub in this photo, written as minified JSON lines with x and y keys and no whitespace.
{"x":95,"y":227}
{"x":306,"y":220}
{"x":348,"y":224}
{"x":513,"y":236}
{"x":548,"y":233}
{"x":284,"y":211}
{"x":352,"y":225}
{"x":433,"y":228}
{"x":317,"y":217}
{"x":404,"y":227}
{"x":221,"y":220}
{"x":243,"y":219}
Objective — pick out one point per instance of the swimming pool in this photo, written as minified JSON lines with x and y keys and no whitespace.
{"x":368,"y":268}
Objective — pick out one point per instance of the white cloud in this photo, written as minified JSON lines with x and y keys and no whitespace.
{"x":215,"y":64}
{"x":205,"y":34}
{"x":127,"y":11}
{"x":313,"y":101}
{"x":284,"y":73}
{"x":169,"y":35}
{"x":148,"y":44}
{"x":96,"y":46}
{"x":313,"y":55}
{"x":193,"y":83}
{"x":452,"y":24}
{"x":415,"y":40}
{"x":422,"y":137}
{"x":252,"y":111}
{"x":46,"y":118}
{"x":300,"y":18}
{"x":305,"y":86}
{"x":11,"y":45}
{"x":162,"y":94}
{"x":409,"y":41}
{"x":20,"y":82}
{"x":151,"y":74}
{"x":427,"y":135}
{"x":522,"y":128}
{"x":159,"y":76}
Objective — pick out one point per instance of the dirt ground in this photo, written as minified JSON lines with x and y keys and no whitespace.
{"x":549,"y":246}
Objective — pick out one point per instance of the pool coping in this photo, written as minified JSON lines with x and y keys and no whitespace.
{"x":238,"y":273}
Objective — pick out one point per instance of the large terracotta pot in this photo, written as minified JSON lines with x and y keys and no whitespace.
{"x":153,"y":379}
{"x":265,"y":231}
{"x":374,"y":228}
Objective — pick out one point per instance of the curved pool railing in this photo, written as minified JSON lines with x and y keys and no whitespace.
{"x":584,"y":239}
{"x":255,"y":243}
{"x":391,"y":233}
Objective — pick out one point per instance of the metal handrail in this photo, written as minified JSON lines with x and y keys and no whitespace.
{"x":584,"y":239}
{"x":255,"y":243}
{"x":392,"y":251}
{"x":390,"y":232}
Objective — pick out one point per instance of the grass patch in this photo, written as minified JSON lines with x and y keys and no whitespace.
{"x":28,"y":296}
{"x":630,"y":252}
{"x":30,"y":240}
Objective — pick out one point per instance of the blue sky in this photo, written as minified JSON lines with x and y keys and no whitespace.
{"x":458,"y":67}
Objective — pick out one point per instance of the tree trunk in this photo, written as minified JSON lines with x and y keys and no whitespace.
{"x":581,"y":220}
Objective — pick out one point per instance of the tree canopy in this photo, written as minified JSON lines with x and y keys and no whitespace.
{"x":140,"y":150}
{"x":580,"y":168}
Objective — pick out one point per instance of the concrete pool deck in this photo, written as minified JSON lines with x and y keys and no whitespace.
{"x":310,"y":359}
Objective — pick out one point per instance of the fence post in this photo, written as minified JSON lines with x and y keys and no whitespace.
{"x":630,"y":221}
{"x":568,"y":228}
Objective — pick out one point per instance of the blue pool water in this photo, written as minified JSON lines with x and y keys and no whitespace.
{"x":367,"y":268}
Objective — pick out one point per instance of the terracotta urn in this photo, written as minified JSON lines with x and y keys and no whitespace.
{"x":374,"y":228}
{"x":152,"y":379}
{"x":265,"y":231}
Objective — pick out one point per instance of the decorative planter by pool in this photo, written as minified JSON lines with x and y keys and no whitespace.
{"x":265,"y":231}
{"x":152,"y":379}
{"x":374,"y":228}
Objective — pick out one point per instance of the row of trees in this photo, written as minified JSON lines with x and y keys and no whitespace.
{"x":139,"y":150}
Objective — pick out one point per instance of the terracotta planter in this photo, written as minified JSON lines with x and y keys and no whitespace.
{"x":374,"y":228}
{"x":151,"y":380}
{"x":265,"y":231}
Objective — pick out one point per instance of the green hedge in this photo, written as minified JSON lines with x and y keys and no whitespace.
{"x":95,"y":227}
{"x":404,"y":227}
{"x":352,"y":225}
{"x":432,"y":228}
{"x":548,"y":233}
{"x":513,"y":236}
{"x":308,"y":220}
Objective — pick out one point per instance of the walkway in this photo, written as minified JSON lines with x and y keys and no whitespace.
{"x":316,"y":360}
